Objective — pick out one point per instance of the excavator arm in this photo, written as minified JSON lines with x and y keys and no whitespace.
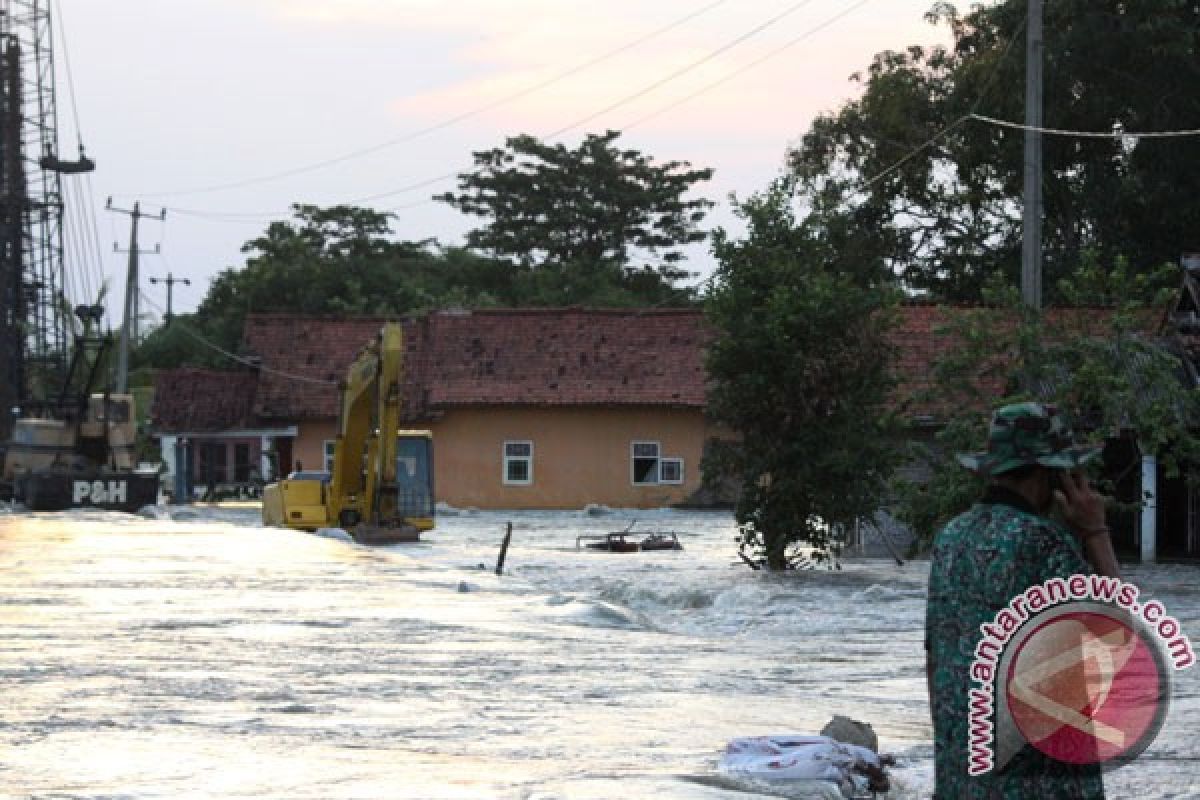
{"x":365,"y":494}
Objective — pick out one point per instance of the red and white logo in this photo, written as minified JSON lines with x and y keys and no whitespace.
{"x":1086,"y":686}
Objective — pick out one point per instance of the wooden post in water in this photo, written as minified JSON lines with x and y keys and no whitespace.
{"x":503,"y":550}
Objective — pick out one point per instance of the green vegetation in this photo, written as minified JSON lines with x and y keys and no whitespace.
{"x":597,"y":208}
{"x":1099,"y":365}
{"x":946,"y":191}
{"x":800,"y":371}
{"x":596,"y":226}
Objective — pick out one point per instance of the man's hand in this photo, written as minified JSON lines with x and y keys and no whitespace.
{"x":1083,"y":510}
{"x":1082,"y":506}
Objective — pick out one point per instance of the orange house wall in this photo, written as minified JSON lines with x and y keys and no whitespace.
{"x":580,"y":456}
{"x":309,"y":447}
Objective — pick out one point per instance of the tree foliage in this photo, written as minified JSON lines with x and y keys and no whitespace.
{"x":799,"y":371}
{"x":948,"y":189}
{"x":1098,"y":361}
{"x":593,"y":208}
{"x":339,"y":260}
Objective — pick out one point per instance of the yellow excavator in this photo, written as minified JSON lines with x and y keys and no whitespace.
{"x":381,"y":487}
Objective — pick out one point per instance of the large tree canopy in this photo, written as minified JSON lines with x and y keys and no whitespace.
{"x":596,"y":207}
{"x":947,"y":188}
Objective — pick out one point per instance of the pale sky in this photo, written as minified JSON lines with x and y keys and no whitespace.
{"x":178,"y":99}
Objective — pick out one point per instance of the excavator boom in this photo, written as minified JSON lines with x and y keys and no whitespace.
{"x":380,"y":487}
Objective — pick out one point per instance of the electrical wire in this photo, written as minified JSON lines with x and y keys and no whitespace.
{"x":628,"y":98}
{"x":1114,"y":134}
{"x":233,"y":356}
{"x":235,"y":216}
{"x":683,"y":70}
{"x":454,"y":120}
{"x":983,"y":93}
{"x":746,"y":68}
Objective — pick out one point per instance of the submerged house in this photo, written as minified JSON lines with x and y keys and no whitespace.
{"x":557,"y":409}
{"x":529,"y":409}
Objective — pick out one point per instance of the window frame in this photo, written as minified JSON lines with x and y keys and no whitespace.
{"x":328,"y":449}
{"x":662,"y":462}
{"x":506,"y":459}
{"x":634,"y":458}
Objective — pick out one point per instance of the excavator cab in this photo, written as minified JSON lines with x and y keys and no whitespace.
{"x":414,"y":478}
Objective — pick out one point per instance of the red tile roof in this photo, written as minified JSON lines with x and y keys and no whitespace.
{"x":505,"y":357}
{"x":646,"y":357}
{"x":565,"y":357}
{"x":925,"y":335}
{"x":303,"y":359}
{"x":203,"y":400}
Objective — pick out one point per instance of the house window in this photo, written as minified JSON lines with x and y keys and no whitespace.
{"x":518,"y":463}
{"x":329,"y":446}
{"x":645,"y":463}
{"x":670,"y":470}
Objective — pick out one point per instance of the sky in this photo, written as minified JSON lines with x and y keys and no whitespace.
{"x":219,"y":110}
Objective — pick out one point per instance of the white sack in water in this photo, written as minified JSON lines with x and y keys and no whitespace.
{"x":797,"y":758}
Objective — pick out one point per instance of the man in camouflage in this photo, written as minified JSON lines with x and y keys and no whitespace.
{"x":984,"y":558}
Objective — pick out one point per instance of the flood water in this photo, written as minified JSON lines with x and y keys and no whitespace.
{"x":197,"y":654}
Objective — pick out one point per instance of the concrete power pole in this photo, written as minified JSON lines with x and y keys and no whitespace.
{"x":1031,"y":254}
{"x":129,"y":322}
{"x":170,"y":281}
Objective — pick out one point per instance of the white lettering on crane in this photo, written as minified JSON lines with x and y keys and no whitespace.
{"x":96,"y":492}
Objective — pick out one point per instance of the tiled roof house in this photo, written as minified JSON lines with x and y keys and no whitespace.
{"x":545,"y":408}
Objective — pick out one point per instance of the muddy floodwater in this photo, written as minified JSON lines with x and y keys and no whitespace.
{"x":192,"y":653}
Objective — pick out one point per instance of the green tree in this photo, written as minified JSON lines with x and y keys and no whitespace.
{"x":1097,"y":359}
{"x":340,"y":260}
{"x":948,"y":188}
{"x":597,"y":213}
{"x":799,"y":370}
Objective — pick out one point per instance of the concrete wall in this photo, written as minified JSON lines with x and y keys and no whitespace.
{"x":581,"y":455}
{"x":309,"y":448}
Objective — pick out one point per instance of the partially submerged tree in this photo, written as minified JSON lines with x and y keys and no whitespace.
{"x":800,"y":375}
{"x":596,"y":209}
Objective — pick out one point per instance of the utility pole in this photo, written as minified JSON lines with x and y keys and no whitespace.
{"x":170,"y":281}
{"x":130,"y":320}
{"x":1031,"y":254}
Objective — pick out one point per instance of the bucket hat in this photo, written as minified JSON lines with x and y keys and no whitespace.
{"x":1024,"y":434}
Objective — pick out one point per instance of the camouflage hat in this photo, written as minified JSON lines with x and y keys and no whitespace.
{"x":1024,"y":434}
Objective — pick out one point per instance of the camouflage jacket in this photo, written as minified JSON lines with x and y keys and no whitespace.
{"x":981,"y":560}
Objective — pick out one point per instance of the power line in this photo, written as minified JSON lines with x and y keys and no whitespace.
{"x":987,"y":87}
{"x":1113,"y":134}
{"x":217,"y":216}
{"x":233,"y":356}
{"x":683,"y":70}
{"x":446,"y":123}
{"x":746,"y":68}
{"x":623,"y":101}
